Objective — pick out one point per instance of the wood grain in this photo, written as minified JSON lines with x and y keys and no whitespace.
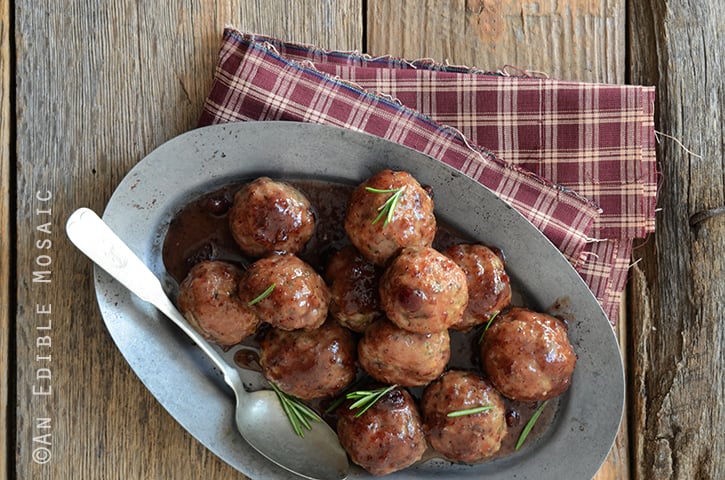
{"x":6,"y":236}
{"x":571,"y":39}
{"x":678,"y":296}
{"x":100,"y":85}
{"x":568,"y":39}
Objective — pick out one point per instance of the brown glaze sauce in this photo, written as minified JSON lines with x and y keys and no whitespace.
{"x":200,"y":231}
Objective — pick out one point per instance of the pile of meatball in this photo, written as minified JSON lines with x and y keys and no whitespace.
{"x":379,"y":314}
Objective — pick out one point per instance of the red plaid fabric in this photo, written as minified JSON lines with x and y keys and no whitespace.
{"x":595,"y":140}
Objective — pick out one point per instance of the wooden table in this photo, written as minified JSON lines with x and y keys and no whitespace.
{"x":89,"y":88}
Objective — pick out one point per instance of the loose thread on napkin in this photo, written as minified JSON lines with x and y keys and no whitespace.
{"x":678,"y":142}
{"x":635,"y":262}
{"x":409,"y":63}
{"x":464,"y":139}
{"x":271,"y":47}
{"x":590,"y":255}
{"x":449,"y":65}
{"x":389,"y":97}
{"x":523,"y":72}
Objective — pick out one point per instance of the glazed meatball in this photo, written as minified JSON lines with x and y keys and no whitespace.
{"x":527,"y":355}
{"x":423,"y":291}
{"x":299,"y":297}
{"x":412,"y":223}
{"x":208,"y":300}
{"x":386,"y":438}
{"x":466,"y":438}
{"x":353,"y":282}
{"x":309,"y":363}
{"x":269,"y":216}
{"x":489,"y":289}
{"x":396,"y":356}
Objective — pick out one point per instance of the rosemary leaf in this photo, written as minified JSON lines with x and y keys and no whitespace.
{"x":297,"y":412}
{"x":386,"y":209}
{"x":488,"y":324}
{"x":394,"y":203}
{"x":304,"y":414}
{"x":288,"y":411}
{"x":381,"y":190}
{"x":469,"y":411}
{"x":529,"y":425}
{"x":367,"y":398}
{"x":335,"y":404}
{"x":262,"y":295}
{"x":359,"y":403}
{"x":293,"y":420}
{"x":380,"y":215}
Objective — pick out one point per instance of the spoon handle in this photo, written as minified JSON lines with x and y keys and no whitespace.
{"x":99,"y":243}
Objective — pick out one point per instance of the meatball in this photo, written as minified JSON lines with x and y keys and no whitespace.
{"x":209,"y":301}
{"x":489,"y":289}
{"x":309,"y":363}
{"x":527,"y":355}
{"x":423,"y":291}
{"x":386,"y":438}
{"x":412,"y":223}
{"x":269,"y":216}
{"x":353,"y":282}
{"x":298,"y":298}
{"x":469,"y":437}
{"x":396,"y":356}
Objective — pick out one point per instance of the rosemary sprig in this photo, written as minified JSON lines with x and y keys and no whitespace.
{"x":342,"y":396}
{"x":298,"y":413}
{"x":469,"y":411}
{"x":367,"y":398}
{"x":529,"y":425}
{"x":386,"y":209}
{"x":262,"y":295}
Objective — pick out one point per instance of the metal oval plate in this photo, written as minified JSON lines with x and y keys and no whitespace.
{"x":183,"y":381}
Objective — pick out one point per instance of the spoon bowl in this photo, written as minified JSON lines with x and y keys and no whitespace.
{"x":259,"y":415}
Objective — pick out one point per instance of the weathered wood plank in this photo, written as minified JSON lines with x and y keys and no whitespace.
{"x":99,"y":85}
{"x":571,"y":39}
{"x":5,"y":231}
{"x":678,"y":296}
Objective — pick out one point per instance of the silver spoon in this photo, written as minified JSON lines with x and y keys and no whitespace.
{"x":259,"y":415}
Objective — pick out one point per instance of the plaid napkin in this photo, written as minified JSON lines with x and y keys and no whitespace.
{"x":579,"y":158}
